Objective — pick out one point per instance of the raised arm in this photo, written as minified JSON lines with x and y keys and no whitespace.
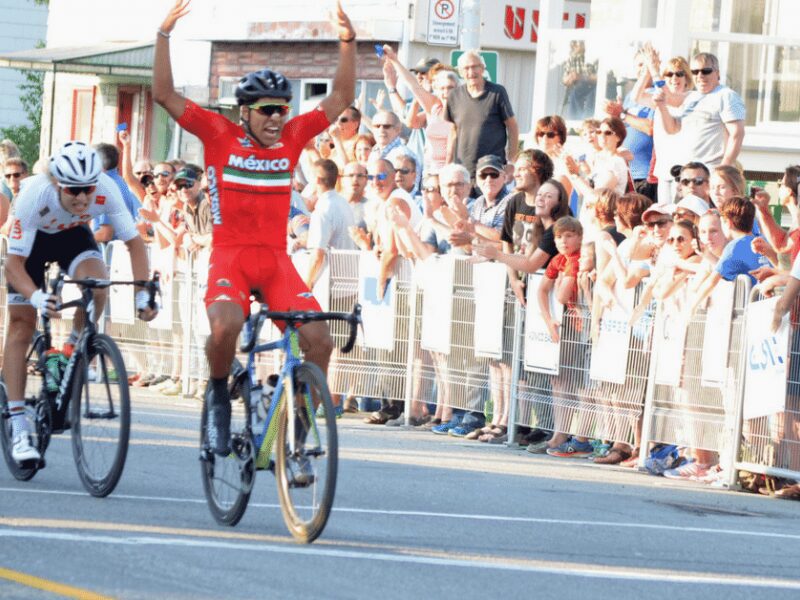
{"x":126,"y":166}
{"x":344,"y":81}
{"x":163,"y":87}
{"x":425,"y":98}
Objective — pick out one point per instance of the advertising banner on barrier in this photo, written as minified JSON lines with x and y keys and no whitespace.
{"x":489,"y":285}
{"x":669,"y":342}
{"x":322,"y":286}
{"x":201,"y":278}
{"x":765,"y":362}
{"x":436,"y":275}
{"x":120,"y":297}
{"x":610,"y":351}
{"x":377,"y":315}
{"x":163,"y":261}
{"x":541,"y":353}
{"x":717,"y":335}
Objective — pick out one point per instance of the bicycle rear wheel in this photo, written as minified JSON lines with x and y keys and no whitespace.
{"x":100,"y":416}
{"x":228,"y":480}
{"x":39,"y":417}
{"x":307,"y":476}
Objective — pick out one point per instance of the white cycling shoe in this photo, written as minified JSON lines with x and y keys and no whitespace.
{"x":22,"y":450}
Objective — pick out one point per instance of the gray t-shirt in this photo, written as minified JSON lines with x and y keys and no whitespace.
{"x":702,"y":123}
{"x":480,"y":123}
{"x":330,"y":221}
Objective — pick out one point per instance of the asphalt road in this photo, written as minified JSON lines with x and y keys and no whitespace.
{"x":416,"y":516}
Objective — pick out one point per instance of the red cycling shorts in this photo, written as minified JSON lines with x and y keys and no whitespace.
{"x":235,"y":272}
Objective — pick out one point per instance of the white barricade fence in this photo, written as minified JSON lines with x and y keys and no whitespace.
{"x":3,"y":293}
{"x":378,"y":365}
{"x":770,"y":411}
{"x":696,"y":376}
{"x":576,"y":386}
{"x":462,"y":339}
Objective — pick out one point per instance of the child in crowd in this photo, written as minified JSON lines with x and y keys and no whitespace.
{"x":561,"y":276}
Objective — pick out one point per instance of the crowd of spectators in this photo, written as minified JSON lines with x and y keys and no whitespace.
{"x":650,"y":187}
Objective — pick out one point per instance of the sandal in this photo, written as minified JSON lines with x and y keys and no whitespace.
{"x":791,"y":492}
{"x":614,"y":457}
{"x":378,"y":418}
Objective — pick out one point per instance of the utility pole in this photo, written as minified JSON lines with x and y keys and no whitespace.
{"x":470,"y":24}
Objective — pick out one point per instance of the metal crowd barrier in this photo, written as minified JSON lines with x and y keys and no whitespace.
{"x":666,"y":393}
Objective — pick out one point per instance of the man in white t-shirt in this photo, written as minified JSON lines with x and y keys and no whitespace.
{"x":330,"y":221}
{"x":712,"y":118}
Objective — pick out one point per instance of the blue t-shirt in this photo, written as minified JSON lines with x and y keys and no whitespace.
{"x":131,"y":201}
{"x":640,"y":144}
{"x":738,"y":258}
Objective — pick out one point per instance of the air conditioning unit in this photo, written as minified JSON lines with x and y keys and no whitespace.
{"x":227,"y":91}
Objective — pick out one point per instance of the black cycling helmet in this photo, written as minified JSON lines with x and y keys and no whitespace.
{"x":264,"y":83}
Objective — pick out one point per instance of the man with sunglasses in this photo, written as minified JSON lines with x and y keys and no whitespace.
{"x":694,"y":181}
{"x":51,"y":224}
{"x":249,"y":168}
{"x":712,"y":116}
{"x":15,"y":170}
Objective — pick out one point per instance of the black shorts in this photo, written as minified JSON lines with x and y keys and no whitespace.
{"x":68,"y":248}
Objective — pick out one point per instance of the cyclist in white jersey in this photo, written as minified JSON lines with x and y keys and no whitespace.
{"x":51,"y":224}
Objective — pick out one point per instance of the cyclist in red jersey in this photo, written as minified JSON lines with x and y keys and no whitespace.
{"x":249,"y":169}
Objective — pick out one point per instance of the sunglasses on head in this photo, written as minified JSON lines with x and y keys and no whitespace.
{"x":658,"y":223}
{"x":378,"y":177}
{"x":678,"y":238}
{"x":13,"y":175}
{"x":669,"y":74}
{"x":77,"y":190}
{"x":270,"y":109}
{"x":185,"y":184}
{"x":684,"y":214}
{"x":694,"y":180}
{"x":485,"y":174}
{"x":704,"y":71}
{"x":163,"y":174}
{"x":549,"y":134}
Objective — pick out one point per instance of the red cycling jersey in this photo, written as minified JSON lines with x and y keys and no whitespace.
{"x":248,"y":185}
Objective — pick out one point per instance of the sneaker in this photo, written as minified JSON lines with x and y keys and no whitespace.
{"x":159,"y":379}
{"x":461,"y":430}
{"x":599,"y":449}
{"x":337,"y":410}
{"x":572,"y":448}
{"x":444,"y":428}
{"x":174,"y":388}
{"x":218,"y":425}
{"x":302,"y":473}
{"x":397,"y":421}
{"x":22,"y":449}
{"x":540,"y":447}
{"x":690,"y":471}
{"x":159,"y":386}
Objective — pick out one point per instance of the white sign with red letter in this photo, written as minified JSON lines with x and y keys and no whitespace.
{"x":516,"y":24}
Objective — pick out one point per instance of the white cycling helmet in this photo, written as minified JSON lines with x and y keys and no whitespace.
{"x":76,"y":164}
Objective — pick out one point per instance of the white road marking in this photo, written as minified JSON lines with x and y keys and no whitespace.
{"x":462,"y":516}
{"x":499,"y":564}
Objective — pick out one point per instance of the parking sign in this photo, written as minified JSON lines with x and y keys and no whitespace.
{"x":443,"y":22}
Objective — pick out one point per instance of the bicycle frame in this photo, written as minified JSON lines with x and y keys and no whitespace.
{"x":289,"y":345}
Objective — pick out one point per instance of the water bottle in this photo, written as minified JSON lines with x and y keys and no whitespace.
{"x":53,"y":369}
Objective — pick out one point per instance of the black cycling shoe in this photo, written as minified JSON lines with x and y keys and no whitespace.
{"x":218,"y":423}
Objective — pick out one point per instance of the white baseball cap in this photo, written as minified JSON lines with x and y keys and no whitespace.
{"x":695,"y":204}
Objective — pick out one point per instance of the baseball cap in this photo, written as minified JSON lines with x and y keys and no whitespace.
{"x":186,"y":175}
{"x":424,"y":65}
{"x":659,"y":209}
{"x":490,"y":161}
{"x":695,"y":204}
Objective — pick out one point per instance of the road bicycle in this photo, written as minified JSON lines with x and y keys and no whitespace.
{"x":306,"y":447}
{"x":92,"y":398}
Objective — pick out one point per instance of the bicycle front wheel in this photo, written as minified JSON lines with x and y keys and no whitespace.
{"x":228,"y":480}
{"x":307,"y":475}
{"x":100,"y":416}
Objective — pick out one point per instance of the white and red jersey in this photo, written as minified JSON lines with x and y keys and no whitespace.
{"x":37,"y":207}
{"x":249,"y":185}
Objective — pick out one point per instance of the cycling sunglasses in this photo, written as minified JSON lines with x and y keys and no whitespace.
{"x":379,"y":177}
{"x":270,"y":109}
{"x":77,"y":190}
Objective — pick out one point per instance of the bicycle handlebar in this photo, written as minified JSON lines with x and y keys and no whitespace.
{"x":153,"y":287}
{"x":299,"y":316}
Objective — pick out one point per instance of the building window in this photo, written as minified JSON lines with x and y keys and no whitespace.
{"x":82,"y":114}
